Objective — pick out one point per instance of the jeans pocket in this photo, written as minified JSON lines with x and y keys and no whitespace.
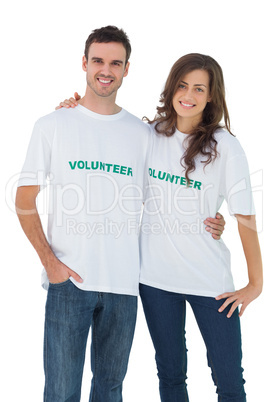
{"x":59,"y":284}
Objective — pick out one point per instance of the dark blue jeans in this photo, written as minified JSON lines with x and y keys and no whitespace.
{"x":165,"y":316}
{"x":70,"y":312}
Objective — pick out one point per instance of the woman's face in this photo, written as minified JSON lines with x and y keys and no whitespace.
{"x":191,"y":98}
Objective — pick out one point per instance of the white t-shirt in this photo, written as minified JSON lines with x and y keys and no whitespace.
{"x":177,"y":253}
{"x":96,"y":170}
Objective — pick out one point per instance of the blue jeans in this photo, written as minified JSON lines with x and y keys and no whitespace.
{"x":70,"y":312}
{"x":165,"y":316}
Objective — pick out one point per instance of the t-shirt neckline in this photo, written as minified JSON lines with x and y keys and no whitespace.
{"x":181,"y":134}
{"x":104,"y":117}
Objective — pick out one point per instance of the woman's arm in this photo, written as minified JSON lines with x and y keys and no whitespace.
{"x":250,"y":242}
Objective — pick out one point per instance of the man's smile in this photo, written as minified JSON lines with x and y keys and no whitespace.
{"x":105,"y":82}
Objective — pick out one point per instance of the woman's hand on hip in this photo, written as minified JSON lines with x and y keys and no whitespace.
{"x":243,"y":296}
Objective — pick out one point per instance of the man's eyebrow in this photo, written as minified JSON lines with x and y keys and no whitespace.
{"x":96,"y":58}
{"x":118,"y":61}
{"x":195,"y":85}
{"x":100,"y":59}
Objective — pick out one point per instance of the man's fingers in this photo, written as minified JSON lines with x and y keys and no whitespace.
{"x":214,"y":223}
{"x":74,"y":275}
{"x":215,"y":226}
{"x":216,"y":236}
{"x":214,"y":231}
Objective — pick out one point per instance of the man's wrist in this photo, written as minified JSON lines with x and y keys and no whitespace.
{"x":48,"y":258}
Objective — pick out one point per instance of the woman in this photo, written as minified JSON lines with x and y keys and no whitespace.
{"x":193,"y":166}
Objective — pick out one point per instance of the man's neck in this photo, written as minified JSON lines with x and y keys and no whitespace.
{"x":100,"y":105}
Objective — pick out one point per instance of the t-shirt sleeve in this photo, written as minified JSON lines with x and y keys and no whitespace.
{"x":237,"y":186}
{"x":36,"y":167}
{"x":146,"y":164}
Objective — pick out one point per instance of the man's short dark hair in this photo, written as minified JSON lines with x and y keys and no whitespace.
{"x":106,"y":35}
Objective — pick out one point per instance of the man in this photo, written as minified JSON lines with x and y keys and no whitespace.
{"x":94,"y":157}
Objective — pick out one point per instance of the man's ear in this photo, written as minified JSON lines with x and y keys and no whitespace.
{"x":126,"y":69}
{"x":84,"y":63}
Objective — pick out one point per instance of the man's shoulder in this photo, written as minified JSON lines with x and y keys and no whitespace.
{"x":131,"y":118}
{"x":48,"y":124}
{"x":54,"y":116}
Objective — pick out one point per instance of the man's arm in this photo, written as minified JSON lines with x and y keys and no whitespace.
{"x":31,"y":224}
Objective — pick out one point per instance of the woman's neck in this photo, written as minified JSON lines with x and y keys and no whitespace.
{"x":185,"y":125}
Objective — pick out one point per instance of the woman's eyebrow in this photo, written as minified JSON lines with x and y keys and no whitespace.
{"x":195,"y":85}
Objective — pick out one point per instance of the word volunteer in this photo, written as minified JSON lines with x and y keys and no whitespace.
{"x":106,"y":167}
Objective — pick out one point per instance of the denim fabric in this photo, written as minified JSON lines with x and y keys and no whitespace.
{"x":165,"y":316}
{"x":70,"y":312}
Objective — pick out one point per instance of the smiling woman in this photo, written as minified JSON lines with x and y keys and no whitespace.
{"x":187,"y":138}
{"x":191,"y":99}
{"x":208,"y":103}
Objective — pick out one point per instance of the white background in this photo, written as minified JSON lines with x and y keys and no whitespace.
{"x":42,"y":45}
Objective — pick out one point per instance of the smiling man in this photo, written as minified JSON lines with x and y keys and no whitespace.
{"x":105,"y":68}
{"x":95,"y":157}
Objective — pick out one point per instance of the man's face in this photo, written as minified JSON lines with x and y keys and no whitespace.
{"x":106,"y":67}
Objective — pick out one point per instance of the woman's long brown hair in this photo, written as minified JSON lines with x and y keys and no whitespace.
{"x":201,"y":139}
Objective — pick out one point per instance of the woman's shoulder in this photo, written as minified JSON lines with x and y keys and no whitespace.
{"x":155,"y":131}
{"x":228,"y":143}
